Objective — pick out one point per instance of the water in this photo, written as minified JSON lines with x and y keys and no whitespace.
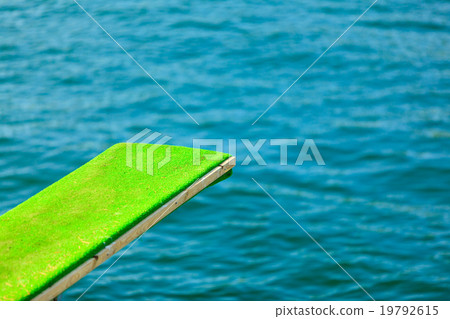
{"x":377,"y":106}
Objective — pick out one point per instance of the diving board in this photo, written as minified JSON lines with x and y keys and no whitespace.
{"x":56,"y":237}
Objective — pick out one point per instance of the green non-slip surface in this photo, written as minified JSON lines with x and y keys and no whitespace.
{"x":53,"y":232}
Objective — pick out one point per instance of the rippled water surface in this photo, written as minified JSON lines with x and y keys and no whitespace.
{"x":377,"y":106}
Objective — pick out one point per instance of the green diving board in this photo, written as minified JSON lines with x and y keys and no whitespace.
{"x":56,"y":237}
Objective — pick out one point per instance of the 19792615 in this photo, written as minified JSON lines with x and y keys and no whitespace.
{"x":409,"y":310}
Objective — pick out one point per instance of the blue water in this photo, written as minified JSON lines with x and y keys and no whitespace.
{"x":377,"y":106}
